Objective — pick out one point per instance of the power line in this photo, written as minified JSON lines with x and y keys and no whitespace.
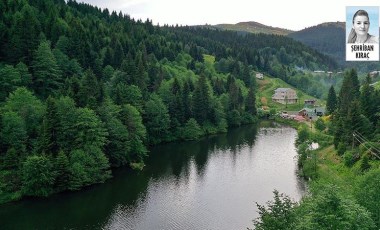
{"x":368,"y":142}
{"x":362,"y":140}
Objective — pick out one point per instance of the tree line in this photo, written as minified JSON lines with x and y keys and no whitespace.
{"x":84,"y":89}
{"x":352,"y":127}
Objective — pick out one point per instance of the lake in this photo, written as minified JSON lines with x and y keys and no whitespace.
{"x":213,"y":184}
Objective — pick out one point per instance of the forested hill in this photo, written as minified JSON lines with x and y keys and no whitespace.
{"x":83,"y":89}
{"x":254,"y":27}
{"x":327,"y":38}
{"x":330,"y":38}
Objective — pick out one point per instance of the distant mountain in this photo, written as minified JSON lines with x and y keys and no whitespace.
{"x":330,"y":38}
{"x":327,"y":38}
{"x":254,"y":27}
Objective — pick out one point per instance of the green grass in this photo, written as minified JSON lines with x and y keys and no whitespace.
{"x":266,"y":90}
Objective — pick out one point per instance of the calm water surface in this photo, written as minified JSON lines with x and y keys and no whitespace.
{"x":209,"y":184}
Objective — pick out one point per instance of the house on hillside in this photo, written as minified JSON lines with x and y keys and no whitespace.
{"x":311,"y":113}
{"x":259,"y":76}
{"x":285,"y":96}
{"x":310,"y":102}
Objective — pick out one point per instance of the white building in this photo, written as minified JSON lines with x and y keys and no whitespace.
{"x":259,"y":76}
{"x":285,"y":96}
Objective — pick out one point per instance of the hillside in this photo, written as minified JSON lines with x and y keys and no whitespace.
{"x":84,"y":90}
{"x":328,"y":38}
{"x":254,"y":27}
{"x":266,"y":89}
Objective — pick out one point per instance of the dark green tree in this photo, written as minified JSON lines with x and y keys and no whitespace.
{"x":24,"y":35}
{"x":250,"y":102}
{"x":46,"y":71}
{"x":37,"y":176}
{"x":157,"y":119}
{"x":277,"y":214}
{"x":332,"y":101}
{"x":132,"y":119}
{"x":10,"y":79}
{"x":62,"y":172}
{"x":201,"y":100}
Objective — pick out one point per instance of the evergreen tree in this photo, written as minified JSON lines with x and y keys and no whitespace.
{"x":62,"y":173}
{"x":50,"y":127}
{"x":132,"y":119}
{"x":201,"y":100}
{"x":157,"y":119}
{"x":368,"y":105}
{"x":250,"y":102}
{"x":46,"y":72}
{"x":10,"y":79}
{"x":24,"y":35}
{"x":331,"y":103}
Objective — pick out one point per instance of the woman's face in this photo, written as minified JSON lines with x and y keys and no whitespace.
{"x":361,"y":25}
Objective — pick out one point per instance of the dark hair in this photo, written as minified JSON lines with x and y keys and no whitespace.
{"x":352,"y":36}
{"x":360,"y":13}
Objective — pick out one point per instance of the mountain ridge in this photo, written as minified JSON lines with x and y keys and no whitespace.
{"x":253,"y":27}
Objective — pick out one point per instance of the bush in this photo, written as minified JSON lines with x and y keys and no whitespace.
{"x":349,"y":158}
{"x":341,"y":148}
{"x":320,"y":125}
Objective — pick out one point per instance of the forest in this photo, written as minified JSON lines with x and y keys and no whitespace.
{"x":343,"y":173}
{"x":84,"y":89}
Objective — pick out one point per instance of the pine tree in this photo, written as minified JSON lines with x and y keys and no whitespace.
{"x":61,"y":167}
{"x":46,"y":71}
{"x":250,"y":102}
{"x":10,"y":79}
{"x":24,"y":35}
{"x":368,"y":105}
{"x":331,"y":103}
{"x":50,"y":127}
{"x":201,"y":100}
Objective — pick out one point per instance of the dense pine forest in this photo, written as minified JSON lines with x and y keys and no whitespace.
{"x":84,"y":89}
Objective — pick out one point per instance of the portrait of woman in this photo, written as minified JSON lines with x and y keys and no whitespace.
{"x":360,"y":26}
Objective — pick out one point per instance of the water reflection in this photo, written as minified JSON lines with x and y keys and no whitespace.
{"x":209,"y":184}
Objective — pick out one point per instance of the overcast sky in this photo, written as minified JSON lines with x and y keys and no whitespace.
{"x":290,"y":14}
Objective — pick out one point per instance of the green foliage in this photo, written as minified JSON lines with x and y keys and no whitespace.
{"x":234,"y":118}
{"x":328,"y":208}
{"x":303,"y":135}
{"x":364,"y":165}
{"x":191,"y":130}
{"x":13,"y":132}
{"x":62,"y":172}
{"x":10,"y":79}
{"x":157,"y":119}
{"x":118,"y":149}
{"x":87,"y":166}
{"x":349,"y":158}
{"x":201,"y":100}
{"x":37,"y":176}
{"x":279,"y":213}
{"x":332,"y":101}
{"x":88,"y":130}
{"x":132,"y":119}
{"x":368,"y":193}
{"x":46,"y":71}
{"x":341,"y":149}
{"x":320,"y":124}
{"x":28,"y":107}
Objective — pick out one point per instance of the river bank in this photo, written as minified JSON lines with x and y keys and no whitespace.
{"x":212,"y":183}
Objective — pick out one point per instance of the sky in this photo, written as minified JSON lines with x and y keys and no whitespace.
{"x":289,"y":14}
